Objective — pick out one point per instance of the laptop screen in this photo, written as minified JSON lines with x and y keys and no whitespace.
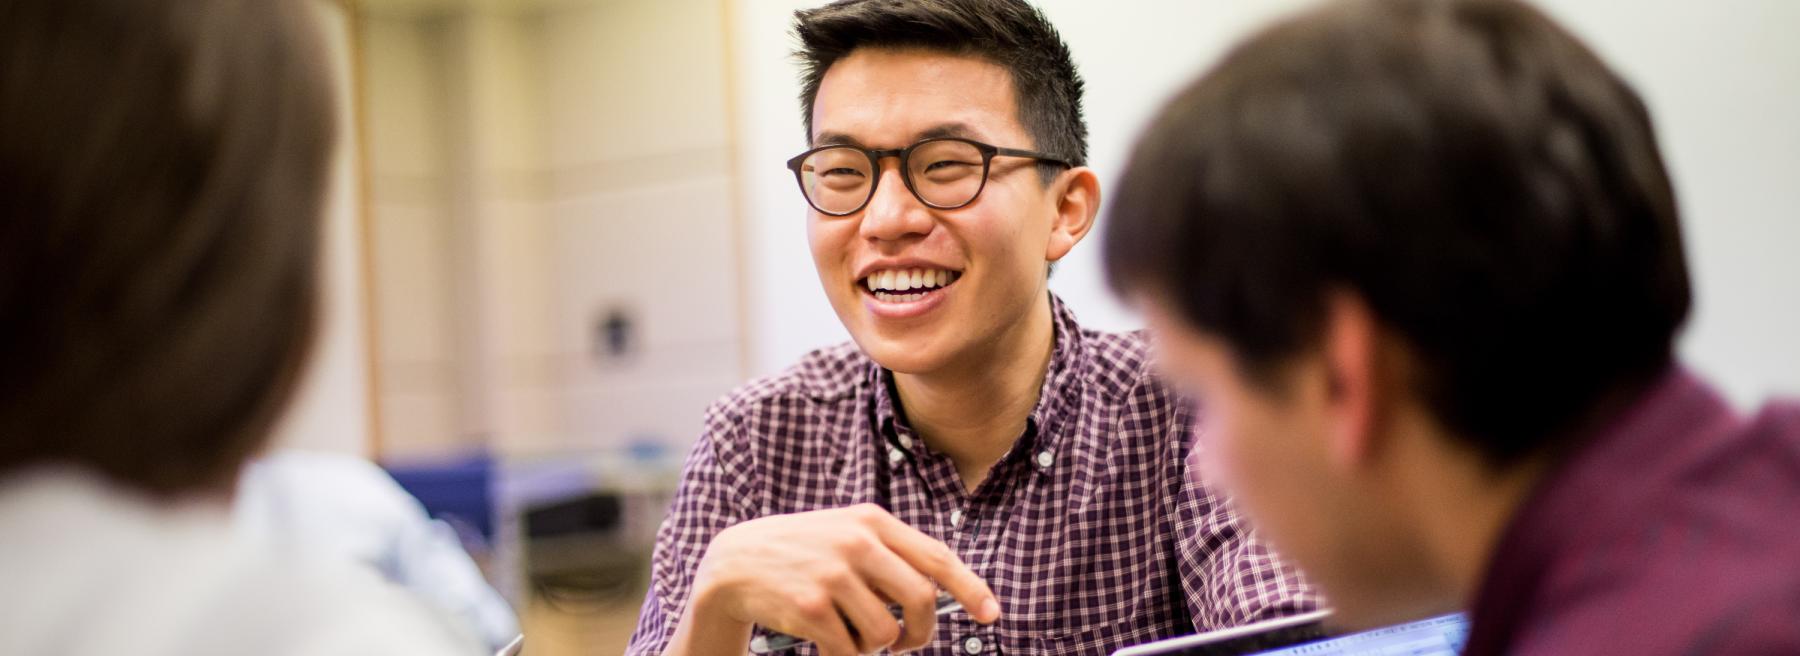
{"x":1439,"y":636}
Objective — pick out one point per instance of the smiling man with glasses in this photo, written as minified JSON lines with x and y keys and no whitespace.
{"x":974,"y":438}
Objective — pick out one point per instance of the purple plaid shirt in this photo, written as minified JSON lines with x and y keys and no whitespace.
{"x":1088,"y":530}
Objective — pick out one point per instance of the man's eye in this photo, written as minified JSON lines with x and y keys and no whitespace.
{"x":840,"y":172}
{"x":947,"y":165}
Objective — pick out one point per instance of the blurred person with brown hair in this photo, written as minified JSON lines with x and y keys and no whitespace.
{"x":162,"y":168}
{"x":1422,"y":261}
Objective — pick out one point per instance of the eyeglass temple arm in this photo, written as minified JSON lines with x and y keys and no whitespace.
{"x":1046,"y":157}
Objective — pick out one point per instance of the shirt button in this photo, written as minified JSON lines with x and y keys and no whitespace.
{"x":956,"y":518}
{"x":895,"y":456}
{"x":1045,"y":459}
{"x":905,"y":442}
{"x":972,"y":645}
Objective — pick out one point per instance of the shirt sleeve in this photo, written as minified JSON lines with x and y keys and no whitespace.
{"x":1229,"y":576}
{"x":715,"y":492}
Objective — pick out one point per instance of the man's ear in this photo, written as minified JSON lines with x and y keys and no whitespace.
{"x":1356,"y":377}
{"x":1077,"y":194}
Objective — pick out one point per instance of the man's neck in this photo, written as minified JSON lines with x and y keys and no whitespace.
{"x":975,"y":411}
{"x":1472,"y":502}
{"x":1463,"y":507}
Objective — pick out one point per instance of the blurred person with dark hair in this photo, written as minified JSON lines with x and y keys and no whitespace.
{"x":162,"y":167}
{"x":1422,"y":262}
{"x":974,"y":436}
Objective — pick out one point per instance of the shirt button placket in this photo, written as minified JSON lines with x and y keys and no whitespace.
{"x":962,"y":540}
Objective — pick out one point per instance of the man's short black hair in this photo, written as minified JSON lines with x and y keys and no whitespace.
{"x":1010,"y":33}
{"x":1468,"y":168}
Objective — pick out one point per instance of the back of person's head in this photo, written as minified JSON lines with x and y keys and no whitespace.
{"x":1471,"y":171}
{"x":162,"y":166}
{"x":1010,"y":33}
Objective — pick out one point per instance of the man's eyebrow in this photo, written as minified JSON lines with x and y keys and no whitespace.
{"x":939,"y":131}
{"x":942,"y":130}
{"x":836,"y":139}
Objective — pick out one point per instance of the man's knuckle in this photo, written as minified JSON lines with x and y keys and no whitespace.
{"x":940,"y":557}
{"x":860,"y":545}
{"x":836,"y":575}
{"x":814,"y":606}
{"x":919,"y":593}
{"x":880,"y":635}
{"x":868,"y":513}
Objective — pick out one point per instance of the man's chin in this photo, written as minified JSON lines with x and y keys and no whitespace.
{"x":904,"y":356}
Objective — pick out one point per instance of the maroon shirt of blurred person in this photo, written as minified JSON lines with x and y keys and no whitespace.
{"x":1670,"y":531}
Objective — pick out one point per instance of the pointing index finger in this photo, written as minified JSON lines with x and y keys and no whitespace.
{"x":937,"y":561}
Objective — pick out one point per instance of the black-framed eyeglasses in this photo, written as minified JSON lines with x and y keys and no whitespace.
{"x":945,"y":173}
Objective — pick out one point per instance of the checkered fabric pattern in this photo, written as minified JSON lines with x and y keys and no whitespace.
{"x":1089,"y":530}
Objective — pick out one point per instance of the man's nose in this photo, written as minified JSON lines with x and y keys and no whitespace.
{"x":894,"y":213}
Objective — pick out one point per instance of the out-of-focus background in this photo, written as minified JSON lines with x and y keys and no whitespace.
{"x":562,"y":227}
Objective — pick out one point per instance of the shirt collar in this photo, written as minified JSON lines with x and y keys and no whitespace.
{"x":1058,"y":399}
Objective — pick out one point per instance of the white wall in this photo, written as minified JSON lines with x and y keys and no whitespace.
{"x":1722,"y":80}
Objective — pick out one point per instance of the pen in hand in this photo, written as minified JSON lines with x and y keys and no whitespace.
{"x":780,"y":642}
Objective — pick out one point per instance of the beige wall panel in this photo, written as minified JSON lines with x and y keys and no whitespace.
{"x":634,"y":78}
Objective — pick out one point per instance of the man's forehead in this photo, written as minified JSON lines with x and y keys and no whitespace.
{"x":889,"y":98}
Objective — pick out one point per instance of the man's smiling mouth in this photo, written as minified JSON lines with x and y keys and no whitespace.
{"x":908,"y":285}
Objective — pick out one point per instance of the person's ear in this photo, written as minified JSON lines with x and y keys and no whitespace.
{"x":1354,"y":370}
{"x":1077,"y":194}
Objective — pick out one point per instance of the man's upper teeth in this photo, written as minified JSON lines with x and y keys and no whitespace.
{"x":900,"y":280}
